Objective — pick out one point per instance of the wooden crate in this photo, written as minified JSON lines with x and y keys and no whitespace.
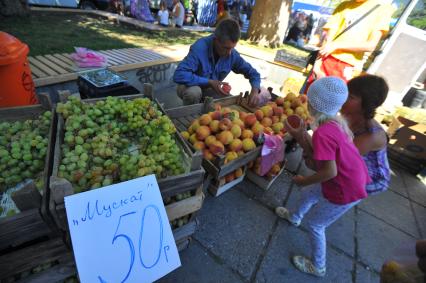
{"x":262,"y":182}
{"x":33,"y":221}
{"x":169,"y":186}
{"x":183,"y":116}
{"x":48,"y":251}
{"x":218,"y":186}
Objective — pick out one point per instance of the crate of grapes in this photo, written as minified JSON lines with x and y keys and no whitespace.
{"x":26,"y":137}
{"x":222,"y":131}
{"x":109,"y":140}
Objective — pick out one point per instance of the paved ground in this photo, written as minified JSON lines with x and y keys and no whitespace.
{"x":239,"y":238}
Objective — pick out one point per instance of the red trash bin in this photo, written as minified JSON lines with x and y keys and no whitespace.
{"x":16,"y":84}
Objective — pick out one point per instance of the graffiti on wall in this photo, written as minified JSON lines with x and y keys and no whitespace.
{"x":154,"y":74}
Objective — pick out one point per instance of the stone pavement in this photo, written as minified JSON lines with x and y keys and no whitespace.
{"x":239,"y":238}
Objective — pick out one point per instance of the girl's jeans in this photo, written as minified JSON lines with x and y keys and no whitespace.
{"x":323,"y":214}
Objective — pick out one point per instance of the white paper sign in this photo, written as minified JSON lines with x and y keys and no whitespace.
{"x":121,"y":233}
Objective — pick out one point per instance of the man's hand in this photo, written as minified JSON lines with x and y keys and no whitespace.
{"x":217,"y":86}
{"x":253,"y":99}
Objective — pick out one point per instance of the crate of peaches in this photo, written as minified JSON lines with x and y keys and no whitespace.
{"x":225,"y":132}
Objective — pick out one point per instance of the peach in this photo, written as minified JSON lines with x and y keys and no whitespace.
{"x":248,"y":144}
{"x":303,"y":98}
{"x":246,"y":134}
{"x":294,"y":121}
{"x":257,"y":129}
{"x":225,"y":137}
{"x":203,"y":132}
{"x":214,"y":126}
{"x":199,"y":145}
{"x":259,"y":115}
{"x":243,"y":115}
{"x":216,"y":148}
{"x":290,"y":96}
{"x":239,"y":123}
{"x":193,"y":138}
{"x":268,"y":130}
{"x":289,"y":112}
{"x":250,"y":120}
{"x":283,"y":118}
{"x":205,"y":119}
{"x":275,"y":119}
{"x":238,"y":173}
{"x":232,"y":155}
{"x":216,"y":115}
{"x":267,"y":111}
{"x":209,"y":140}
{"x":266,"y":122}
{"x":225,"y":124}
{"x":296,"y":103}
{"x":279,"y":101}
{"x":185,"y":135}
{"x":208,"y":155}
{"x":278,"y":111}
{"x":236,"y":131}
{"x":272,"y":104}
{"x":277,"y":127}
{"x":299,"y":110}
{"x":230,"y":177}
{"x":195,"y":125}
{"x":236,"y":145}
{"x":287,"y":105}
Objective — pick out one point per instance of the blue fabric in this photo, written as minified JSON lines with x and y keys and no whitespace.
{"x":199,"y":66}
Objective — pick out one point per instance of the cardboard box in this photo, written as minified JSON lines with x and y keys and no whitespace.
{"x":410,"y":137}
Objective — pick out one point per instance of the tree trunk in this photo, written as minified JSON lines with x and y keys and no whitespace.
{"x":9,"y":8}
{"x":269,"y":21}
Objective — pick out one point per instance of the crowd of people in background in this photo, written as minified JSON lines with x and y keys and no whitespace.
{"x":300,"y":28}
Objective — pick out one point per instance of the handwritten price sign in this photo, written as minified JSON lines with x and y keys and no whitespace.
{"x":121,"y":233}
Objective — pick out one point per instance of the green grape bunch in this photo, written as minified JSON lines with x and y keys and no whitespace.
{"x":23,"y":149}
{"x":115,"y":140}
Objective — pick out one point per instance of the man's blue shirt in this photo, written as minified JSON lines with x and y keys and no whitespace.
{"x":199,"y":66}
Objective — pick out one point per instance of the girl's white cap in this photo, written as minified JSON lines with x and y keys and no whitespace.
{"x":327,"y":95}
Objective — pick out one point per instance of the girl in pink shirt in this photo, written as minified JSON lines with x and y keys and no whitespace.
{"x":341,"y":175}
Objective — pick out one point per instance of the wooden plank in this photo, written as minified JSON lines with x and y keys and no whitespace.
{"x":182,"y":183}
{"x":55,"y":79}
{"x":20,"y":113}
{"x":27,"y":198}
{"x":135,"y":55}
{"x":185,"y":110}
{"x":37,"y":72}
{"x":184,"y":122}
{"x":51,"y":65}
{"x":145,"y":56}
{"x":116,"y":58}
{"x":130,"y":58}
{"x":239,"y":162}
{"x":111,"y":59}
{"x":32,"y":256}
{"x":22,"y":227}
{"x":56,"y":273}
{"x":60,"y":63}
{"x":184,"y":207}
{"x":181,"y":127}
{"x":42,"y":66}
{"x":65,"y":59}
{"x":139,"y":65}
{"x":185,"y":231}
{"x":123,"y":59}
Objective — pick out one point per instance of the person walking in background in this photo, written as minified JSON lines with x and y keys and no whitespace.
{"x":178,"y":13}
{"x":340,"y":178}
{"x":342,"y":51}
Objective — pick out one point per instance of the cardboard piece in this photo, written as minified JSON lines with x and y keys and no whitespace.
{"x":410,"y":136}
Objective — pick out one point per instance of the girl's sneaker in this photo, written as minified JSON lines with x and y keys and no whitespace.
{"x":283,"y":213}
{"x":305,"y":265}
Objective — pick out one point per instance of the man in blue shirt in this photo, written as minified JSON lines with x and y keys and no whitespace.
{"x":209,"y":61}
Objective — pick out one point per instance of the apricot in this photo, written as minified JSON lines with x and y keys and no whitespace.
{"x":203,"y":132}
{"x":208,"y":155}
{"x":217,"y":148}
{"x":185,"y":135}
{"x":208,"y":141}
{"x":259,"y":115}
{"x":214,"y":126}
{"x":257,"y":129}
{"x":246,"y":134}
{"x":199,"y":145}
{"x":236,"y":131}
{"x":267,"y":111}
{"x":225,"y":137}
{"x":248,"y":144}
{"x":250,"y":120}
{"x":225,"y":124}
{"x":236,"y":145}
{"x":205,"y":119}
{"x":266,"y":122}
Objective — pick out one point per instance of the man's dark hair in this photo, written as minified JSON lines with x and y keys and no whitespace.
{"x":372,"y":90}
{"x":228,"y":29}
